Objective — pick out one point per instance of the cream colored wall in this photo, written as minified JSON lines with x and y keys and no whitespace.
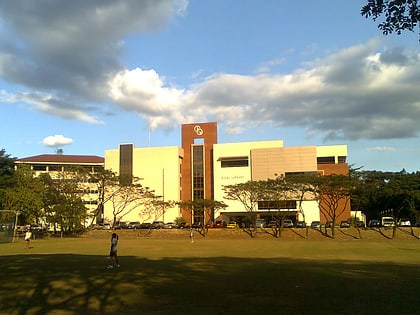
{"x":158,"y":168}
{"x":331,"y":150}
{"x":234,"y":175}
{"x":311,"y":211}
{"x":112,"y":160}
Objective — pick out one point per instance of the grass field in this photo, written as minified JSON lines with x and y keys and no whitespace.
{"x":211,"y":276}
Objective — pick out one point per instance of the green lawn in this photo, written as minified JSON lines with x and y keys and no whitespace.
{"x":234,"y":276}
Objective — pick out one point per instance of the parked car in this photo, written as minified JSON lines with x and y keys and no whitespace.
{"x":221,"y":224}
{"x":315,"y":225}
{"x":170,"y":225}
{"x":404,"y":222}
{"x":121,"y":225}
{"x":329,"y":224}
{"x":387,"y":222}
{"x":344,"y":224}
{"x":360,"y":224}
{"x":300,"y":224}
{"x":133,"y":225}
{"x":101,"y":226}
{"x":260,"y":223}
{"x":196,"y":225}
{"x":106,"y":226}
{"x":210,"y":225}
{"x":288,"y":223}
{"x":145,"y":226}
{"x":232,"y":225}
{"x":183,"y":225}
{"x":158,"y":225}
{"x":272,"y":224}
{"x":374,"y":223}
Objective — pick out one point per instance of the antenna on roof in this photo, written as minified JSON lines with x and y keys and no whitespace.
{"x":149,"y":135}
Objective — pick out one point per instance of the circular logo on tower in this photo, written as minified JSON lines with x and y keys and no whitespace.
{"x":198,"y":130}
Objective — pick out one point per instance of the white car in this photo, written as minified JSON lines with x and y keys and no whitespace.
{"x":404,"y":222}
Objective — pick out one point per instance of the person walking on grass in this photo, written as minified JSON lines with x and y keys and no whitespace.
{"x":28,"y":236}
{"x":113,"y":252}
{"x":192,"y":235}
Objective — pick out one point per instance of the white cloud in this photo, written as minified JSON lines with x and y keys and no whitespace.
{"x":348,"y":95}
{"x":56,"y":141}
{"x":68,"y":52}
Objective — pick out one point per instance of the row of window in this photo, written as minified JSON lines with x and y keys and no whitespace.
{"x":244,"y":161}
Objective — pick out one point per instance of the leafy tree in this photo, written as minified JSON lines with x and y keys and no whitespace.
{"x":202,"y":208}
{"x":333,"y":195}
{"x":124,"y":198}
{"x":277,"y":195}
{"x":6,"y":173}
{"x":154,"y":207}
{"x":400,"y":15}
{"x":398,"y":195}
{"x":388,"y":194}
{"x":63,"y":199}
{"x":248,"y":193}
{"x":303,"y":189}
{"x":107,"y":184}
{"x":24,"y":196}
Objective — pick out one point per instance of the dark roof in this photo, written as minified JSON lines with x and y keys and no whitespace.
{"x":62,"y":158}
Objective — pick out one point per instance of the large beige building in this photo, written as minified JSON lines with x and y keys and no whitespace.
{"x":199,"y":169}
{"x":202,"y":167}
{"x":157,"y":168}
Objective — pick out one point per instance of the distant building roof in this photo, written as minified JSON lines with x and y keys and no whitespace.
{"x":62,"y":158}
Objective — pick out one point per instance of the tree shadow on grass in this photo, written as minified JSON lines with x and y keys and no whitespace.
{"x":81,"y":284}
{"x":379,"y":230}
{"x":305,"y":232}
{"x":344,"y":232}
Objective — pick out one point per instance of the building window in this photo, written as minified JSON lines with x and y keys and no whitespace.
{"x":39,"y":168}
{"x":126,"y":164}
{"x":326,"y":160}
{"x":277,"y":204}
{"x":198,"y":172}
{"x":289,"y":174}
{"x":342,"y":159}
{"x":55,"y":168}
{"x":239,"y":161}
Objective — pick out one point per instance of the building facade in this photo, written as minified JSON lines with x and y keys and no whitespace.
{"x":157,"y":168}
{"x":60,"y":166}
{"x":202,"y":167}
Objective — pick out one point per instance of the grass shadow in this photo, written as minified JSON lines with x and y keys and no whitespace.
{"x":80,"y":284}
{"x":299,"y":234}
{"x":342,"y":231}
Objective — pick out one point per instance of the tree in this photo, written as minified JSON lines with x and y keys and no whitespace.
{"x":123,"y":198}
{"x":277,"y":197}
{"x":248,"y":193}
{"x":388,"y":194}
{"x":333,"y":195}
{"x":152,"y":206}
{"x":400,"y":15}
{"x":6,"y":173}
{"x":202,"y":208}
{"x":63,"y":203}
{"x":24,"y":196}
{"x":107,"y":184}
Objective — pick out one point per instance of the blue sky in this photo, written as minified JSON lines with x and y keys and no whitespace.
{"x":86,"y":76}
